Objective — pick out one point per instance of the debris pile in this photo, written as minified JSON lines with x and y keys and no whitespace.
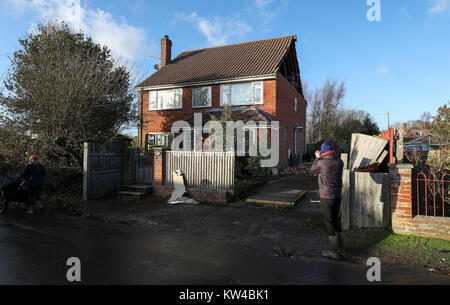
{"x":367,"y":153}
{"x":304,"y":168}
{"x":180,"y":194}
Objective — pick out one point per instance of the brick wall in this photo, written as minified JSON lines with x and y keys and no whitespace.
{"x":289,"y":119}
{"x":403,"y":221}
{"x":158,"y":171}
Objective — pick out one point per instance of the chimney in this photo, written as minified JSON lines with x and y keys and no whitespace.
{"x":405,"y":128}
{"x":166,"y":51}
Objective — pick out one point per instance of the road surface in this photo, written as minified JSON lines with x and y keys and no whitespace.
{"x":34,"y":250}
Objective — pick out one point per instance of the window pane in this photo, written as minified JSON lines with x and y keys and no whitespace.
{"x":178,"y":98}
{"x":167,"y":102}
{"x":169,"y":140}
{"x":257,"y":93}
{"x":152,"y":100}
{"x":202,"y":97}
{"x":241,"y":94}
{"x":226,"y":94}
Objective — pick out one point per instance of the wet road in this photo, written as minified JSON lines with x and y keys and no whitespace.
{"x":34,"y":250}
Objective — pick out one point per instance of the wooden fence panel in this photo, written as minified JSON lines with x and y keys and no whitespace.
{"x":144,"y":169}
{"x":207,"y":170}
{"x":365,"y":200}
{"x":102,"y":169}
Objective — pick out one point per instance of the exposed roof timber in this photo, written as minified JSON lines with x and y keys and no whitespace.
{"x":290,"y":66}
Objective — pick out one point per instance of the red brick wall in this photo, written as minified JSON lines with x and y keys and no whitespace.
{"x":288,"y":118}
{"x":158,"y":171}
{"x":403,"y":221}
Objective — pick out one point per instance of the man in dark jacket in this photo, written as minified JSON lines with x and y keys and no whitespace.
{"x":329,"y":168}
{"x":34,"y":172}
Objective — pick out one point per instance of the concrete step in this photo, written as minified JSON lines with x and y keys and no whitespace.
{"x":141,"y":187}
{"x":135,"y":190}
{"x":132,"y":193}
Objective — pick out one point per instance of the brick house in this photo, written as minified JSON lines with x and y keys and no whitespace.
{"x":260,"y":80}
{"x":418,"y":138}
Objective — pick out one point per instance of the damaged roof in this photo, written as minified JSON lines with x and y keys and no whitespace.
{"x":248,"y":59}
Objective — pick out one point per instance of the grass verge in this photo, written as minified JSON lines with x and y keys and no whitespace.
{"x":394,"y":249}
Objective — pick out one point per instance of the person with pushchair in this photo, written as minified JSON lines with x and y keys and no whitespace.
{"x":33,"y":179}
{"x":329,"y":167}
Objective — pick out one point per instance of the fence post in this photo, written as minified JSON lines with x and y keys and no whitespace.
{"x":345,"y":217}
{"x":129,"y":165}
{"x":400,"y":176}
{"x":86,"y":171}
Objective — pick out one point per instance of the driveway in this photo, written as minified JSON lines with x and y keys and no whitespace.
{"x":35,"y":250}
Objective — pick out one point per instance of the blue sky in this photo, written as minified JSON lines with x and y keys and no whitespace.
{"x":399,"y":65}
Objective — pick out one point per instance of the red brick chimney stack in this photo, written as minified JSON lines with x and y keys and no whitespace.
{"x":166,"y":51}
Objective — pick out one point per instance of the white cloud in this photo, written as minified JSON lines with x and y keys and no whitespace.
{"x":439,"y":6}
{"x":125,"y":41}
{"x":382,"y":70}
{"x":18,"y":6}
{"x":218,"y":30}
{"x":264,"y":11}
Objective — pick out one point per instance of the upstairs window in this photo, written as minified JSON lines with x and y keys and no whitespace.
{"x":201,"y":97}
{"x":242,"y":94}
{"x":165,"y":99}
{"x":296,"y":105}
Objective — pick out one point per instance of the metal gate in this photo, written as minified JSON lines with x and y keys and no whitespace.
{"x":432,"y":195}
{"x":144,"y":168}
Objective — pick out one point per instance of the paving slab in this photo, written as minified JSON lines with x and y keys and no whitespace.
{"x":281,"y":198}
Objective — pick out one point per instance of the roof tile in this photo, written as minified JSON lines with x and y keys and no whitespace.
{"x":255,"y":58}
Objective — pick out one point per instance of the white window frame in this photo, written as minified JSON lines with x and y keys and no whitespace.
{"x":296,"y":105}
{"x":156,"y":134}
{"x":230,"y":86}
{"x":210,"y":97}
{"x":157,"y":108}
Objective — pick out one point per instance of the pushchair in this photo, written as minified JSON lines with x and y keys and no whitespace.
{"x":10,"y":191}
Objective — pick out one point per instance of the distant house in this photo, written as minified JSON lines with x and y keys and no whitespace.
{"x":259,"y":79}
{"x":417,"y":138}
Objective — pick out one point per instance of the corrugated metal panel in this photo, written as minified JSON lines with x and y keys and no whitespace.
{"x":207,"y":170}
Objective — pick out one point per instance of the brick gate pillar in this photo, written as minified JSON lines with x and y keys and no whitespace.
{"x":159,"y":160}
{"x":401,"y":197}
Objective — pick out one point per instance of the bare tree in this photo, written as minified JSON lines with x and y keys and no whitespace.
{"x":325,"y":107}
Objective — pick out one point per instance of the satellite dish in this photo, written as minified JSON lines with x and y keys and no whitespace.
{"x":157,"y":67}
